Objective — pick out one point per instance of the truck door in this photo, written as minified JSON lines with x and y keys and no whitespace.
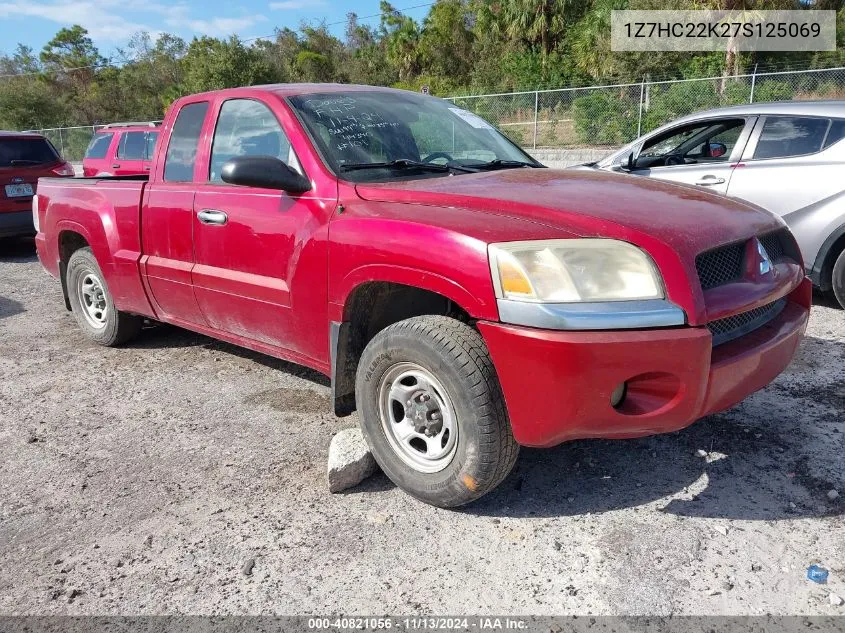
{"x":252,"y":245}
{"x":167,"y":220}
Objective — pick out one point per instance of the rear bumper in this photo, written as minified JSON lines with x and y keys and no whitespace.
{"x":16,"y":223}
{"x":558,"y":384}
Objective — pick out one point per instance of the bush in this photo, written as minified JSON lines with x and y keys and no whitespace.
{"x":772,"y":90}
{"x":601,"y":118}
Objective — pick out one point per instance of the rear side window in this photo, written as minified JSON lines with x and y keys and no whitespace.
{"x":152,"y":137}
{"x":182,"y":150}
{"x":21,"y":152}
{"x":99,"y":146}
{"x":836,"y":133}
{"x":786,"y":136}
{"x":132,"y":145}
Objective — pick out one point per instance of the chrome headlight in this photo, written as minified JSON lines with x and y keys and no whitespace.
{"x":574,"y":270}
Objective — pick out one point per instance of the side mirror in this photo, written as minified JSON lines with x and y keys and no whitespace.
{"x":717,"y":149}
{"x":266,"y":172}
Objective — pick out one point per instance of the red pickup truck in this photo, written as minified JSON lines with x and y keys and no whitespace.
{"x":464,"y":299}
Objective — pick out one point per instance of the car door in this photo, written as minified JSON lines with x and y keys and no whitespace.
{"x":701,"y":153}
{"x":129,"y":159}
{"x":249,"y":242}
{"x":793,"y":166}
{"x":167,"y":219}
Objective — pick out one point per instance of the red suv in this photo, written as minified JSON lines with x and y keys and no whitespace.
{"x":120,"y":149}
{"x":24,"y":158}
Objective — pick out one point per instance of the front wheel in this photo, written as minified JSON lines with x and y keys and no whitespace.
{"x":432,"y":410}
{"x":838,"y":280}
{"x":92,"y":302}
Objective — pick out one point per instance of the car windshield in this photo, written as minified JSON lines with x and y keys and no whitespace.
{"x":21,"y":152}
{"x":377,"y":136}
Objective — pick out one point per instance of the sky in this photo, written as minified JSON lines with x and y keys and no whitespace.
{"x":111,"y":23}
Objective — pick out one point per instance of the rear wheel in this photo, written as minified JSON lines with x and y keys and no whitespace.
{"x":432,"y":410}
{"x":92,"y":302}
{"x":838,"y":280}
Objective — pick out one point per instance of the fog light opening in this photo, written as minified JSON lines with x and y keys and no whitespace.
{"x":618,"y":395}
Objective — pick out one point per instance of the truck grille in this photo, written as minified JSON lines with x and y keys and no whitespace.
{"x":726,"y":264}
{"x":721,"y":265}
{"x":732,"y":327}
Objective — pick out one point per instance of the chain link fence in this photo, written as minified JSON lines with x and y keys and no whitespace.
{"x":70,"y":141}
{"x":595,"y":116}
{"x":612,"y":115}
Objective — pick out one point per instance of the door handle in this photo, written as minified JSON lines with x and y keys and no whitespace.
{"x":212,"y":216}
{"x":115,"y":166}
{"x":706,"y":181}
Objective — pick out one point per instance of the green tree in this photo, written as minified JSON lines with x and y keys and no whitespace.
{"x":211,"y":64}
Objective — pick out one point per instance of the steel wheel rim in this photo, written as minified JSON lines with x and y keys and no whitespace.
{"x":420,"y":437}
{"x":92,"y":299}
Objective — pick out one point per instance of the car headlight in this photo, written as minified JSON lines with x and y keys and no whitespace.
{"x":574,"y":270}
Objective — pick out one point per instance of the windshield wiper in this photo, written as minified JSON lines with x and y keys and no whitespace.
{"x":405,"y":163}
{"x":500,"y":163}
{"x":24,"y":161}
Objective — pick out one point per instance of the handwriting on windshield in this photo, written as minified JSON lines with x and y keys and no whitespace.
{"x":347,"y":122}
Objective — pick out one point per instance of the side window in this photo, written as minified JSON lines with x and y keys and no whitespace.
{"x":836,"y":133}
{"x":785,"y":136}
{"x":150,"y":148}
{"x":247,"y":128}
{"x":670,"y":141}
{"x":703,"y":142}
{"x":184,"y":139}
{"x":99,"y":146}
{"x":132,"y":146}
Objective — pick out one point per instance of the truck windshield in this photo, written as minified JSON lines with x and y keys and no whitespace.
{"x":21,"y":152}
{"x":377,"y":136}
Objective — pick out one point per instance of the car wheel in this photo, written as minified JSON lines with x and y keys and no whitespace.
{"x":92,"y":302}
{"x":838,"y":280}
{"x":432,"y":410}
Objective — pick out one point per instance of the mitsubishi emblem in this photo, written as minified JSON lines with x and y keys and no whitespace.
{"x":765,"y":261}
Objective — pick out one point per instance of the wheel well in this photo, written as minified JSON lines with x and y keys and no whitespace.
{"x":69,"y":243}
{"x":369,"y":309}
{"x":826,"y":273}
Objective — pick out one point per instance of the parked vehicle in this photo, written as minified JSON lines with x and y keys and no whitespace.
{"x":24,"y":157}
{"x":786,"y":157}
{"x":121,"y":149}
{"x":463,"y":298}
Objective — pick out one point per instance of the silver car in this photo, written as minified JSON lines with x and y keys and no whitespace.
{"x":786,"y":157}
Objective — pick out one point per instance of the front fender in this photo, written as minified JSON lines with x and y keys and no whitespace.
{"x":427,"y":256}
{"x":476,"y":305}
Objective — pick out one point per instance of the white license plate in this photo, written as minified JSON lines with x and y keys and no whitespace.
{"x":16,"y":191}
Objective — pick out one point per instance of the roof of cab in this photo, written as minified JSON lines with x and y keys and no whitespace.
{"x":289,"y":90}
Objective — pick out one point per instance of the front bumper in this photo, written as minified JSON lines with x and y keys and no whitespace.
{"x":14,"y":223}
{"x":558,"y":384}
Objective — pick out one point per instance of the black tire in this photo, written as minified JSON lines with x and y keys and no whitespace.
{"x":838,"y":280}
{"x":117,"y":327}
{"x":456,"y":356}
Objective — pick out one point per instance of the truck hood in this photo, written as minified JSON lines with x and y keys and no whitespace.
{"x":592,"y":203}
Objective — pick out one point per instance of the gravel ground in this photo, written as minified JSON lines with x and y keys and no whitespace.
{"x":184,"y":475}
